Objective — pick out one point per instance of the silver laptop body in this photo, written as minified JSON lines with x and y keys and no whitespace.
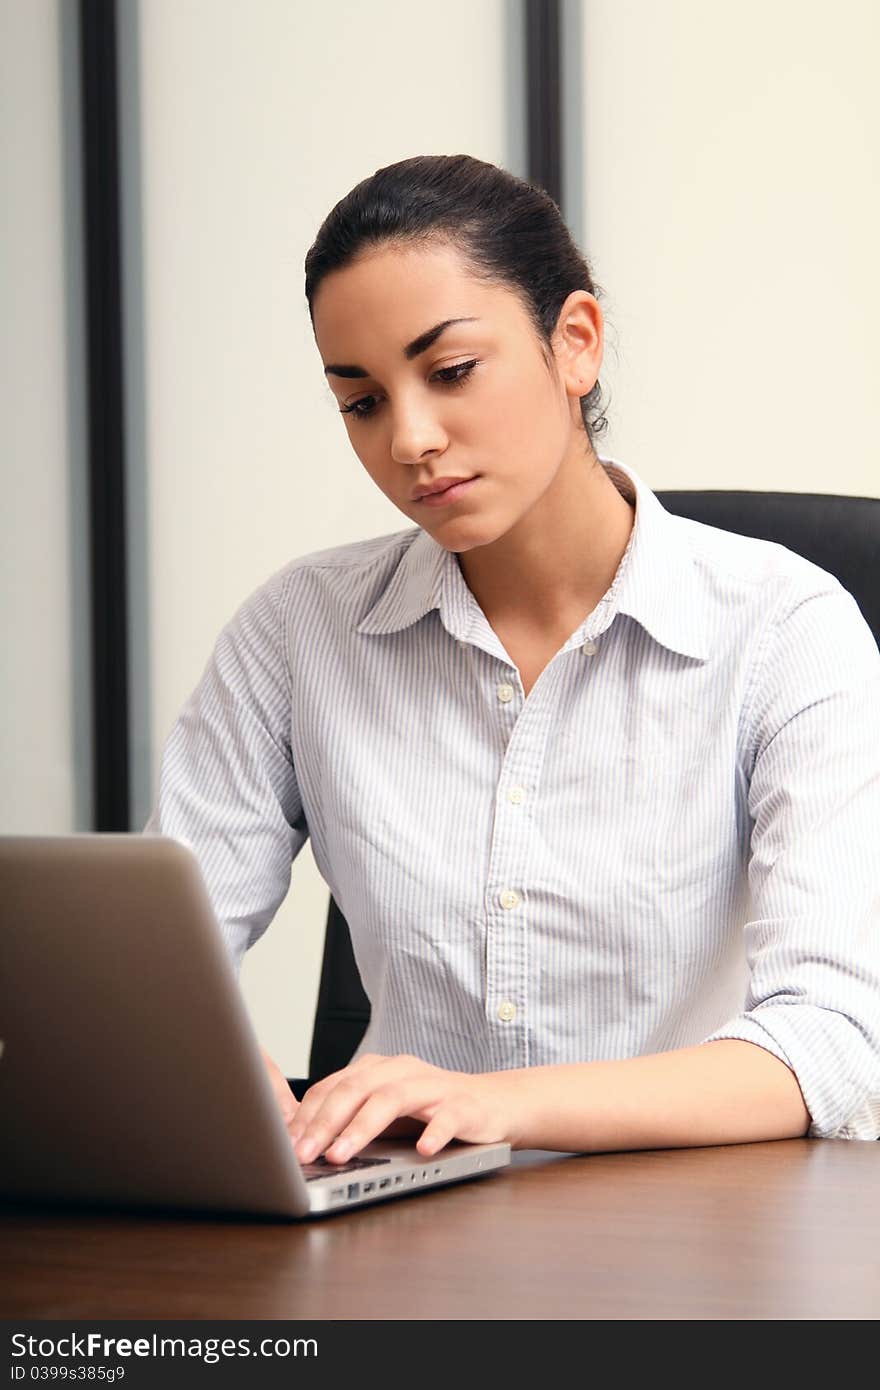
{"x":129,"y":1071}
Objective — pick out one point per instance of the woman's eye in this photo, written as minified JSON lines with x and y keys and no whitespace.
{"x":362,"y":410}
{"x":355,"y":408}
{"x":463,"y":369}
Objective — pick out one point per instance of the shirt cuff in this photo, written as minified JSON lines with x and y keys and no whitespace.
{"x":836,"y":1066}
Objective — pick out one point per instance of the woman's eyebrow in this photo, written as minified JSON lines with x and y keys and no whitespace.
{"x":413,"y":349}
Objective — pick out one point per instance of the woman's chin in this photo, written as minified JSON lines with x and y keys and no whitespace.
{"x":459,"y":534}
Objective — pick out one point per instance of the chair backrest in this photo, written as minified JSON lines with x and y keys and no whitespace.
{"x":343,"y":1009}
{"x":841,"y":534}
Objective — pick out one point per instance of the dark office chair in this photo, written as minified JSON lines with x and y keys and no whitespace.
{"x":343,"y":1009}
{"x":841,"y":534}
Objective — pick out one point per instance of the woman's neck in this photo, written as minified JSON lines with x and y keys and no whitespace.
{"x":550,"y":571}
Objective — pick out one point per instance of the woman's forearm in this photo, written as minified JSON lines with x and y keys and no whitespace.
{"x":721,"y":1092}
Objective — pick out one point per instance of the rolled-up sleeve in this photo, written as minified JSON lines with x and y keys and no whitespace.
{"x":813,"y":935}
{"x":228,"y":785}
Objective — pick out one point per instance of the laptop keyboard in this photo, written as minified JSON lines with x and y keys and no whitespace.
{"x":323,"y":1168}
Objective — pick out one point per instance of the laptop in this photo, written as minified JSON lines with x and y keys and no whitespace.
{"x":130,"y":1075}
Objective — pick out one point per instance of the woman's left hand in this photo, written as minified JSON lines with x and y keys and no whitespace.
{"x":368,"y":1098}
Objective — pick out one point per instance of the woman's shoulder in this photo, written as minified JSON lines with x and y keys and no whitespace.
{"x":360,"y":554}
{"x":738,"y":565}
{"x":765,"y":595}
{"x":347,"y":575}
{"x":746,"y":591}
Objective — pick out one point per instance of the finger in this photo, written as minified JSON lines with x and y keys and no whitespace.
{"x":313,"y":1100}
{"x":377,"y":1111}
{"x":322,"y":1126}
{"x":403,"y":1128}
{"x":319,"y":1089}
{"x":317,"y":1095}
{"x":286,"y":1100}
{"x":459,"y":1117}
{"x":439,"y":1131}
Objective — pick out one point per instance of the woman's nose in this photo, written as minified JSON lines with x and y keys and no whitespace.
{"x":414,"y":433}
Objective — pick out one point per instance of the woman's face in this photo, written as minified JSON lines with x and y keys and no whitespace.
{"x":474,"y":400}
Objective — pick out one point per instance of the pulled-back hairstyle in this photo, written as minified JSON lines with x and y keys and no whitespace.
{"x":507,"y":232}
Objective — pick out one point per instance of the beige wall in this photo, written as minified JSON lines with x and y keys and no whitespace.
{"x":733,"y":211}
{"x":44,"y":738}
{"x":254,"y":123}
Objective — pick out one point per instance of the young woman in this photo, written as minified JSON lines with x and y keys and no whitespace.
{"x":596,"y":788}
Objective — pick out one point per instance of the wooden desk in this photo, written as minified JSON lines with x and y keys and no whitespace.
{"x":783,"y":1230}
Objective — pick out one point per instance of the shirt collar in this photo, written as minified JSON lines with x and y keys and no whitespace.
{"x":414,"y":588}
{"x":657,"y":585}
{"x":660,"y":587}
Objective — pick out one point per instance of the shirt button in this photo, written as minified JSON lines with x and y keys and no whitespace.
{"x":589,"y":647}
{"x":506,"y":1011}
{"x":509,"y":898}
{"x":505,"y":693}
{"x":517,"y":795}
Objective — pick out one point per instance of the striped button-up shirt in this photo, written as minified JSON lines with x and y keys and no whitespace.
{"x":673,"y":838}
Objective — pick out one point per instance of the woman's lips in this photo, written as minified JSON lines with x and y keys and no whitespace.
{"x":452,"y":494}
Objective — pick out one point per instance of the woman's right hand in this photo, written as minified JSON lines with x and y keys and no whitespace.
{"x":283,"y":1094}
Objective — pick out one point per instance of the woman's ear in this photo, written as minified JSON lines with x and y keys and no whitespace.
{"x":578,"y":342}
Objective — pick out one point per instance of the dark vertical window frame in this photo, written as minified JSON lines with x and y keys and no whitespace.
{"x":78,"y":597}
{"x":106,"y":434}
{"x":134,"y":384}
{"x":572,"y":30}
{"x":514,"y":61}
{"x":544,"y":96}
{"x":551,"y":77}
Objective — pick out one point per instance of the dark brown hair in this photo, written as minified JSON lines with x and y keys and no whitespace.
{"x":507,"y":232}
